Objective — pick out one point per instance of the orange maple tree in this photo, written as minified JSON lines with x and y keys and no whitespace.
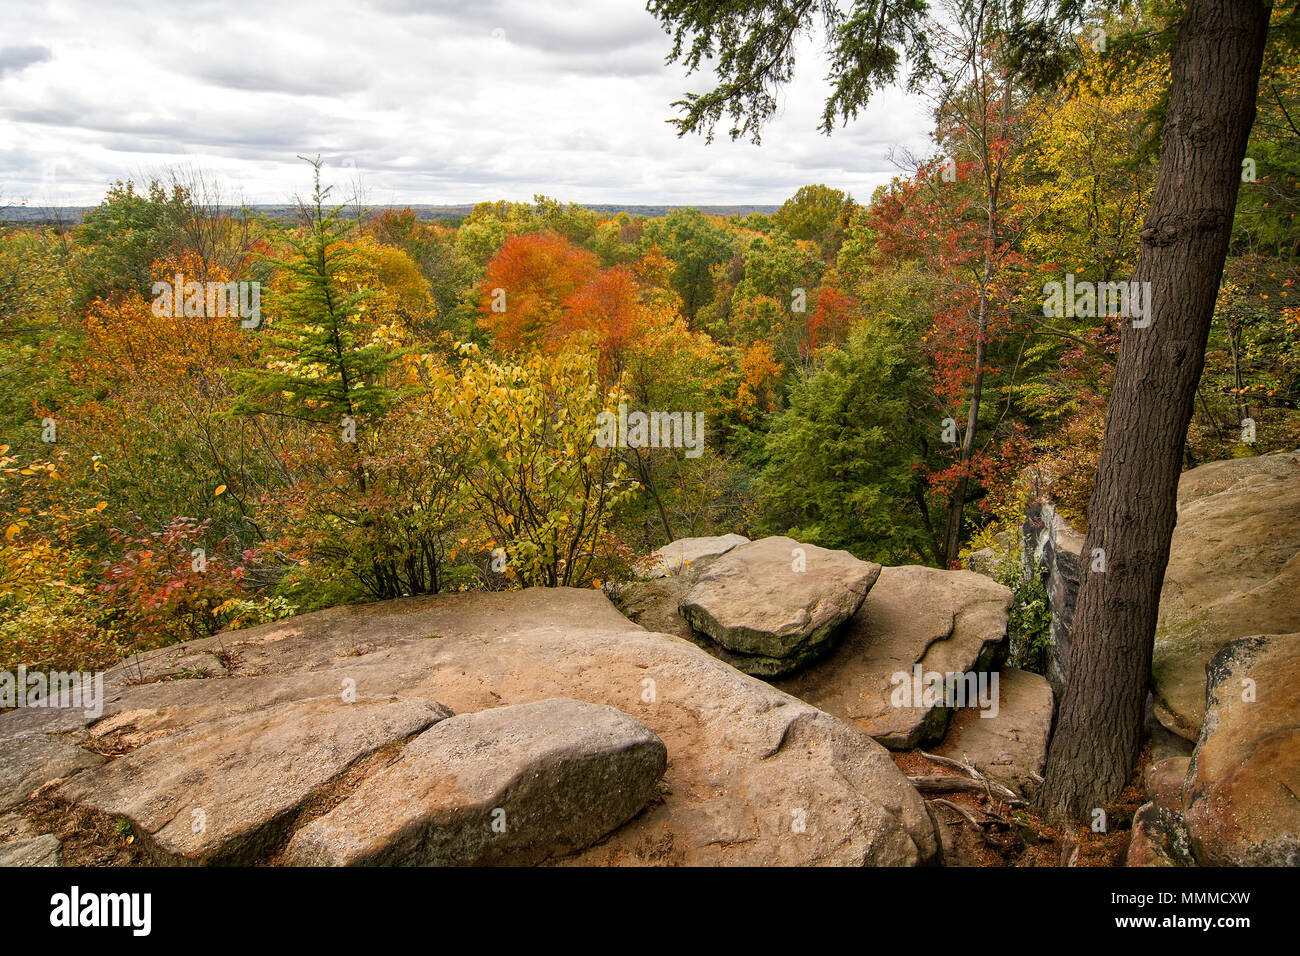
{"x":526,"y":285}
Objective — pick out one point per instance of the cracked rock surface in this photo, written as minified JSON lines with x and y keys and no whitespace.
{"x":314,"y":709}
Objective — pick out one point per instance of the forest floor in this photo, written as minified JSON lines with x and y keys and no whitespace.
{"x":1022,"y":836}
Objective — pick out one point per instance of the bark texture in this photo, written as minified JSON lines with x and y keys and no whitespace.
{"x":1184,"y":241}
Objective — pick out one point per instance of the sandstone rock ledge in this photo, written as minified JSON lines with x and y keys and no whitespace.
{"x":318,"y":709}
{"x":774,"y":605}
{"x":1234,"y":571}
{"x":947,"y":622}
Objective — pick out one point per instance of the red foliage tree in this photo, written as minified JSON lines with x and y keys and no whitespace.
{"x":609,"y":308}
{"x":830,"y":321}
{"x":527,"y":283}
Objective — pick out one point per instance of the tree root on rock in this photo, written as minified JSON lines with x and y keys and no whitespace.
{"x":995,"y":803}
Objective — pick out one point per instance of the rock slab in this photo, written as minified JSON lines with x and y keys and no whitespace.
{"x":1052,"y":550}
{"x":948,"y":622}
{"x":1234,"y":572}
{"x":754,"y":776}
{"x":775,"y":604}
{"x":1010,"y":746}
{"x":29,"y":760}
{"x":1242,"y":792}
{"x":42,"y":850}
{"x":517,"y":784}
{"x":222,"y":792}
{"x":679,"y":555}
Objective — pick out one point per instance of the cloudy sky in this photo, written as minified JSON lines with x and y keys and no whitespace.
{"x":432,"y":101}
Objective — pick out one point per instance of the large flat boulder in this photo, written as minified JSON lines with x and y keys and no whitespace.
{"x":679,"y":555}
{"x":1242,"y":792}
{"x":1234,"y":571}
{"x":43,"y":850}
{"x":29,"y":760}
{"x":775,"y":604}
{"x":1007,"y":744}
{"x":224,"y":791}
{"x":512,"y":784}
{"x":948,"y":622}
{"x":754,"y":776}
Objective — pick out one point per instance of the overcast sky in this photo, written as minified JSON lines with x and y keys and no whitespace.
{"x":433,"y":101}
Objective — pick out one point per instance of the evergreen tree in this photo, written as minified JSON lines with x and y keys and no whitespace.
{"x":323,"y":367}
{"x":845,"y":460}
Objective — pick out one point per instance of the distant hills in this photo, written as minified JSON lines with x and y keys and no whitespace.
{"x":287,"y":212}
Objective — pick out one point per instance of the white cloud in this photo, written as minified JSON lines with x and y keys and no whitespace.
{"x":434,"y":101}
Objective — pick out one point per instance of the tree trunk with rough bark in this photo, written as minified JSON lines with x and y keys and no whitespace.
{"x":1184,"y":241}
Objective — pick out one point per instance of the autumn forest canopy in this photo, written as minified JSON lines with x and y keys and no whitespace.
{"x":384,"y":406}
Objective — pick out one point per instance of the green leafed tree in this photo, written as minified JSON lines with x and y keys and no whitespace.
{"x":812,"y":212}
{"x":695,"y":245}
{"x":119,"y":240}
{"x":844,"y":461}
